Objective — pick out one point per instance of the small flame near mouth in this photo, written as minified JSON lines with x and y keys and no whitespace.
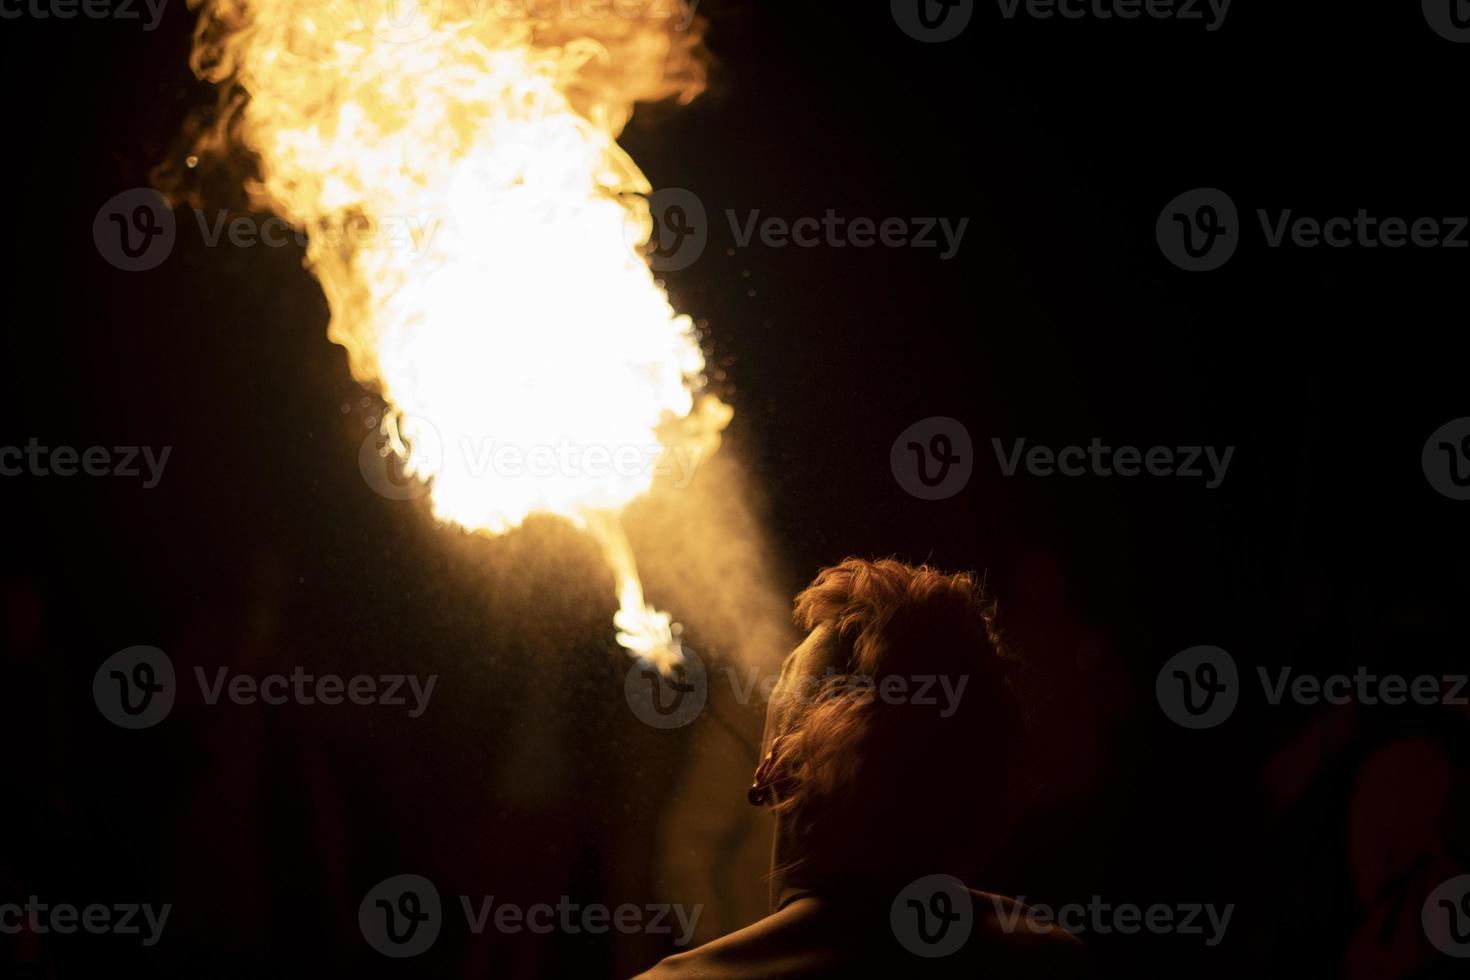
{"x":519,"y":308}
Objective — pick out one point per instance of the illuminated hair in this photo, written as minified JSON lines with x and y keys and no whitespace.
{"x":859,"y":771}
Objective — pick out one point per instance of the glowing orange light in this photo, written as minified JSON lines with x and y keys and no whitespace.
{"x":515,"y":308}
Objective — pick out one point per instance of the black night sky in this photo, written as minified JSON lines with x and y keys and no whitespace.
{"x":1058,"y":320}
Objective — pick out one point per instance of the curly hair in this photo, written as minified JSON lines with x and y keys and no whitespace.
{"x":850,"y":757}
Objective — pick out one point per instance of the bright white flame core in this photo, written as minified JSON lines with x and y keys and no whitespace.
{"x":517,"y":310}
{"x":531,"y":322}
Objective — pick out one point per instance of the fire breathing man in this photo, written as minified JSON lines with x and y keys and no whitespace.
{"x":888,"y":795}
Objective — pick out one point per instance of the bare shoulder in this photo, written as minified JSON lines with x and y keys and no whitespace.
{"x":1007,"y":922}
{"x":816,"y":937}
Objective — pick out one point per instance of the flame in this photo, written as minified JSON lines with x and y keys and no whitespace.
{"x":516,"y":310}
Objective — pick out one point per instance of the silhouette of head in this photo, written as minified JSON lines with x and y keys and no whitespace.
{"x":890,"y":735}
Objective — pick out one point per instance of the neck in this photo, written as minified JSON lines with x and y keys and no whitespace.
{"x":783,"y":853}
{"x":848,"y":867}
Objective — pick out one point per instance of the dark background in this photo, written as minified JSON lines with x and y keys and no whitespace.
{"x":1058,"y":321}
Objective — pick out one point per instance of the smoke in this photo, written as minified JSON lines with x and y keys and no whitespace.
{"x":704,"y":552}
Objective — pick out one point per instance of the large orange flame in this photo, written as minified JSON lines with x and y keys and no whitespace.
{"x":520,"y":313}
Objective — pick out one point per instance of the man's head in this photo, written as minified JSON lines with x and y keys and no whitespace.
{"x":892,"y":731}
